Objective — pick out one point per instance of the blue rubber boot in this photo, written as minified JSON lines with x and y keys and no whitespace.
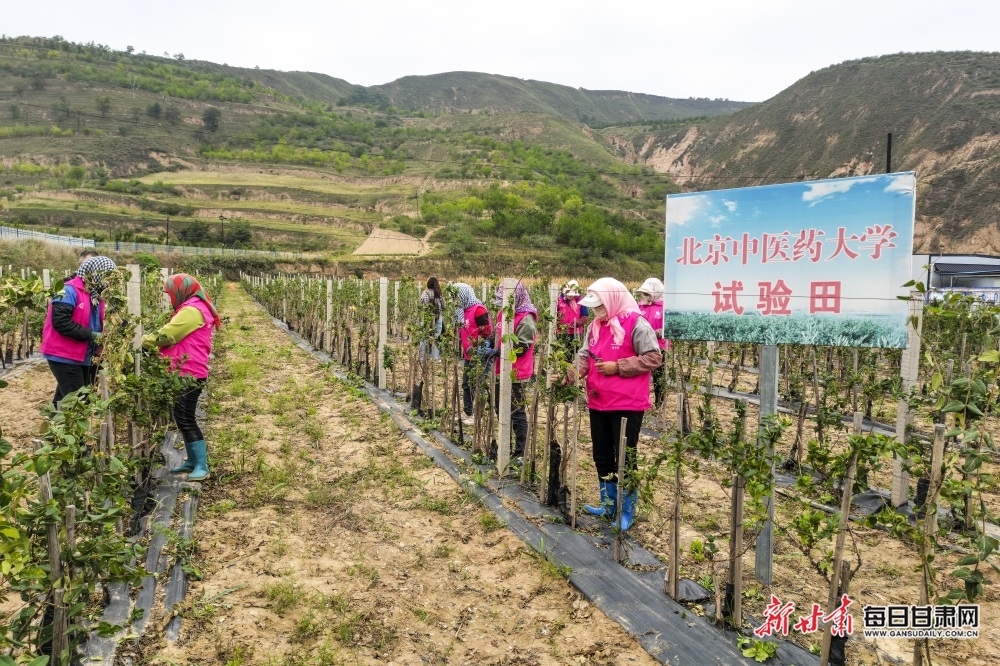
{"x":629,"y":501}
{"x":187,"y":466}
{"x":609,"y":498}
{"x":200,"y":452}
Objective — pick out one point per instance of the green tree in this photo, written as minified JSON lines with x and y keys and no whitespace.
{"x":154,"y":110}
{"x":211,"y":117}
{"x":62,"y":109}
{"x":239,"y":234}
{"x":15,"y":111}
{"x":194,"y":232}
{"x":172,"y":115}
{"x":103,"y":105}
{"x":20,"y":86}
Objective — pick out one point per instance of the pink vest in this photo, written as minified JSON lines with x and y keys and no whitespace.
{"x":469,"y":330}
{"x":654,"y":315}
{"x":56,"y":344}
{"x":192,"y":351}
{"x":524,"y":366}
{"x":570,"y":320}
{"x":614,"y":392}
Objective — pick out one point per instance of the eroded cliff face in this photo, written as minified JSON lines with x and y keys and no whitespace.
{"x":958,"y":190}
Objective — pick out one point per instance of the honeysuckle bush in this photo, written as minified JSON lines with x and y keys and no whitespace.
{"x":23,"y":304}
{"x":961,"y":389}
{"x":99,"y":483}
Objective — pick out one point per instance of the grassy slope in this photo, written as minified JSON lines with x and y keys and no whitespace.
{"x":288,"y":205}
{"x":465,"y":91}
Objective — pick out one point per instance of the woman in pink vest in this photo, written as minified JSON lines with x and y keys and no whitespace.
{"x":74,"y":324}
{"x":525,"y":328}
{"x":651,"y":307}
{"x":187,"y":341}
{"x":572,"y":316}
{"x":473,"y":322}
{"x":618,"y":354}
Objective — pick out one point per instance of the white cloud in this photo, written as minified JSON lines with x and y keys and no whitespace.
{"x":681,"y":209}
{"x":730,"y":205}
{"x":816,"y":192}
{"x":717,"y":220}
{"x":903,"y":184}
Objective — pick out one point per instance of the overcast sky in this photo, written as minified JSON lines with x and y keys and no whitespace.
{"x":746,"y":50}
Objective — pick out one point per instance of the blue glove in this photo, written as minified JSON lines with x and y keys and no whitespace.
{"x":485,"y":352}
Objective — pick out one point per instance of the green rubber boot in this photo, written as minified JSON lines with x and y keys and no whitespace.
{"x":200,"y":452}
{"x":187,"y":466}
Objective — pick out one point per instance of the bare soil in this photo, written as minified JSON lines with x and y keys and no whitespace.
{"x":325,"y":538}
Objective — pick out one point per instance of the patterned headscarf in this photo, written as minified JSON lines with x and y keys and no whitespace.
{"x":94,"y":273}
{"x":466,"y":299}
{"x":522,"y":300}
{"x":617,"y":300}
{"x":181,"y":287}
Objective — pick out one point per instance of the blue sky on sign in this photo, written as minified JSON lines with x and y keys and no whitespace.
{"x":856,"y":204}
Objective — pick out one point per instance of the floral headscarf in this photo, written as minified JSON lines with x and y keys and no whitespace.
{"x":94,"y":273}
{"x":466,"y":299}
{"x":181,"y":287}
{"x":522,"y":300}
{"x":617,"y":300}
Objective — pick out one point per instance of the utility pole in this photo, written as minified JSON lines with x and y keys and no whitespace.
{"x":222,"y":240}
{"x":888,"y":153}
{"x":166,"y":240}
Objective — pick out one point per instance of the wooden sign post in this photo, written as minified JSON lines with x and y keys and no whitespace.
{"x":764,"y":547}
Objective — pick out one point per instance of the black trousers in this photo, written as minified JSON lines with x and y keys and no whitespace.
{"x":605,"y":433}
{"x":466,"y":390}
{"x":184,"y":409}
{"x":518,"y":414}
{"x":70,"y":378}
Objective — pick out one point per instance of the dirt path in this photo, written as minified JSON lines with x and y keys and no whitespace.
{"x":28,"y":390}
{"x":325,"y":538}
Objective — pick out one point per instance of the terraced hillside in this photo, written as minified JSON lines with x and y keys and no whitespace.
{"x":133,"y":147}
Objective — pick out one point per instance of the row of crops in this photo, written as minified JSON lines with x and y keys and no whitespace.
{"x":69,"y":524}
{"x":708,"y":430}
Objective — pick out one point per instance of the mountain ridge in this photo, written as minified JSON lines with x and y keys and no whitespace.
{"x":942,"y":108}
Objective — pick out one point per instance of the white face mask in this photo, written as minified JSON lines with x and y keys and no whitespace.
{"x":600,"y":311}
{"x":645,"y":298}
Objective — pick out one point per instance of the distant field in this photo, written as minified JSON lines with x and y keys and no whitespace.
{"x":246,"y":179}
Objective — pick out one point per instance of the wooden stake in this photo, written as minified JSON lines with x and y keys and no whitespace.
{"x":507,"y":330}
{"x":833,"y":598}
{"x":930,"y":529}
{"x":909,"y":372}
{"x":383,"y":321}
{"x":673,"y":571}
{"x":619,"y":500}
{"x":734,"y":587}
{"x":59,"y":642}
{"x":576,"y":439}
{"x":328,"y":329}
